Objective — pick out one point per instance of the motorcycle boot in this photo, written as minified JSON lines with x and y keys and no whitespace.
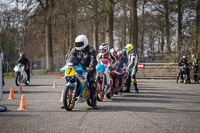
{"x":128,"y":84}
{"x":135,"y":86}
{"x":92,"y":87}
{"x":196,"y":80}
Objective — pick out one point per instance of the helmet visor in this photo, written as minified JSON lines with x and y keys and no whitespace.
{"x":79,"y":44}
{"x":103,"y":50}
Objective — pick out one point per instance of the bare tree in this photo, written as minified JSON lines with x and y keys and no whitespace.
{"x":179,"y":27}
{"x":110,"y":5}
{"x":196,"y":46}
{"x":134,"y":24}
{"x":48,"y":9}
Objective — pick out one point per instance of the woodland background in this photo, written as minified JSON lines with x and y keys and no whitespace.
{"x":47,"y":28}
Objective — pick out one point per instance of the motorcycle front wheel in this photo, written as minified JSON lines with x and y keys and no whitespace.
{"x":68,"y":99}
{"x":100,"y":92}
{"x":18,"y":79}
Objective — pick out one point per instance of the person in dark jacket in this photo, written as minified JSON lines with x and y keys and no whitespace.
{"x":123,"y":60}
{"x":87,"y":56}
{"x":195,"y":68}
{"x":181,"y":64}
{"x":23,"y":60}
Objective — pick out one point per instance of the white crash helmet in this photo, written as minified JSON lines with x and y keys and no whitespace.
{"x":81,"y":42}
{"x":104,"y":48}
{"x":184,"y":57}
{"x":113,"y":51}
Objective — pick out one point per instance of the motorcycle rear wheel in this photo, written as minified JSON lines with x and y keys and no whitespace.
{"x":109,"y":95}
{"x":100,"y":92}
{"x":68,"y":100}
{"x":26,"y":83}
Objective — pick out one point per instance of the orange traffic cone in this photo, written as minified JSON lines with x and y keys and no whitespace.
{"x":54,"y":84}
{"x":20,"y":89}
{"x":11,"y":96}
{"x":23,"y":105}
{"x":61,"y":99}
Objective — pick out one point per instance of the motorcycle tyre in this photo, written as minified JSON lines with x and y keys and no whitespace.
{"x":93,"y":97}
{"x":16,"y":79}
{"x":100,"y":93}
{"x":68,"y":106}
{"x":26,"y":83}
{"x":108,"y":95}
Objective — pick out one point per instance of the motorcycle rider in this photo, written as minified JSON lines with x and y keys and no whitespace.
{"x":105,"y":54}
{"x":123,"y":60}
{"x":181,"y":64}
{"x":25,"y":61}
{"x":132,"y":66}
{"x":195,"y":68}
{"x":87,"y":56}
{"x":113,"y":52}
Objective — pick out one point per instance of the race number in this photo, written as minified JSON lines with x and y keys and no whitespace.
{"x":70,"y":71}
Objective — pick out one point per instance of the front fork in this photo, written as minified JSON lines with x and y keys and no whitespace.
{"x":73,"y":85}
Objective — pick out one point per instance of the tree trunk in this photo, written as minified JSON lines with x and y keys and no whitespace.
{"x":124,"y":26}
{"x":48,"y":9}
{"x":179,"y":27}
{"x":167,"y":26}
{"x":162,"y":39}
{"x":49,"y":49}
{"x":142,"y":33}
{"x":96,"y":30}
{"x":71,"y":40}
{"x":196,"y":47}
{"x":134,"y":26}
{"x":110,"y":22}
{"x":130,"y":29}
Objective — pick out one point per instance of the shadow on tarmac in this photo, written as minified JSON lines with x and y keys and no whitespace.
{"x":7,"y":92}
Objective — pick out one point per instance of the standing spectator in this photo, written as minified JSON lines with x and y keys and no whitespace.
{"x":148,"y":55}
{"x":195,"y":68}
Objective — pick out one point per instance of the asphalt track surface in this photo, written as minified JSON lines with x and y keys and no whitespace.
{"x":161,"y":107}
